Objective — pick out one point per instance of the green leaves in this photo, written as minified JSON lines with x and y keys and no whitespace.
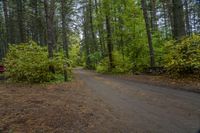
{"x":29,"y":63}
{"x":183,"y":57}
{"x":121,"y":62}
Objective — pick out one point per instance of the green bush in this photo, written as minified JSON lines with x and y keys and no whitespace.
{"x":75,"y":56}
{"x":102,"y":66}
{"x":183,"y":57}
{"x":122,"y":64}
{"x":29,"y":62}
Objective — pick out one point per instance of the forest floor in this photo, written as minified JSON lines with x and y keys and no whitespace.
{"x":66,"y":107}
{"x":101,"y":103}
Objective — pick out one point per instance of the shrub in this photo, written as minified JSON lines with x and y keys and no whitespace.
{"x":102,"y":66}
{"x":183,"y":57}
{"x":75,"y":56}
{"x":29,"y":62}
{"x":122,"y":64}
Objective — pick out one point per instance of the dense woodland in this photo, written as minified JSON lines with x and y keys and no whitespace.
{"x":116,"y":36}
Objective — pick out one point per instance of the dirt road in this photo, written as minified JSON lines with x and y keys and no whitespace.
{"x":145,"y":108}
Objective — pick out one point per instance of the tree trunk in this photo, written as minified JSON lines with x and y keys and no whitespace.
{"x":101,"y":32}
{"x":49,"y":11}
{"x":170,"y":14}
{"x":20,"y":19}
{"x":86,"y":38}
{"x":151,"y":50}
{"x":178,"y":18}
{"x":198,"y":17}
{"x":91,"y":25}
{"x":64,"y":37}
{"x":109,"y":42}
{"x":187,"y":19}
{"x":153,"y":15}
{"x":165,"y":19}
{"x":5,"y":9}
{"x":35,"y":21}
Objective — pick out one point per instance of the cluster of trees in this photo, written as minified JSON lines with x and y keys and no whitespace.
{"x":43,"y":21}
{"x":116,"y":35}
{"x":46,"y":22}
{"x":135,"y":29}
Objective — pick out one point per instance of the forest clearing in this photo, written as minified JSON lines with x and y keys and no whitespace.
{"x":100,"y":66}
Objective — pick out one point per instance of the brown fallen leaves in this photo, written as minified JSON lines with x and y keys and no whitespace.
{"x":66,"y":107}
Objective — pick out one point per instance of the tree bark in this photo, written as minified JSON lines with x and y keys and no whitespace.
{"x":178,"y":18}
{"x":20,"y":19}
{"x":187,"y":19}
{"x":109,"y":42}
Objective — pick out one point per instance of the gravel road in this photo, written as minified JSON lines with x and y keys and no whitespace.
{"x":145,"y":108}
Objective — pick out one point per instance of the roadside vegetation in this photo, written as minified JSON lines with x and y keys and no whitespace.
{"x":29,"y":62}
{"x":157,"y":37}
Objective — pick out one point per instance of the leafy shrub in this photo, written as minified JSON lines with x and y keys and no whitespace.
{"x":59,"y":61}
{"x":75,"y":56}
{"x":183,"y":57}
{"x":138,"y":54}
{"x":102,"y":66}
{"x":29,"y":62}
{"x":94,"y":59}
{"x":122,"y":64}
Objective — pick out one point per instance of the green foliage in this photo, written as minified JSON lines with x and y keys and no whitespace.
{"x":75,"y":55}
{"x":130,"y":48}
{"x":121,"y":62}
{"x":102,"y":66}
{"x":29,"y":62}
{"x":58,"y":62}
{"x":158,"y":44}
{"x":183,"y":57}
{"x":95,"y":58}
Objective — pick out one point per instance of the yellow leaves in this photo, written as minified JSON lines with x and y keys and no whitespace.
{"x":29,"y":62}
{"x":183,"y":56}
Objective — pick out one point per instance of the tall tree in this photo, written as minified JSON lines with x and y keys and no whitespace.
{"x":153,"y":15}
{"x":34,"y":24}
{"x":5,"y":8}
{"x":151,"y":50}
{"x":90,"y":5}
{"x":64,"y":36}
{"x":178,"y":19}
{"x":20,"y":19}
{"x":49,"y":11}
{"x":187,"y":20}
{"x":109,"y":36}
{"x":87,"y":35}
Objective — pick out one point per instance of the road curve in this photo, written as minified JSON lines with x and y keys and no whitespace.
{"x":144,"y":108}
